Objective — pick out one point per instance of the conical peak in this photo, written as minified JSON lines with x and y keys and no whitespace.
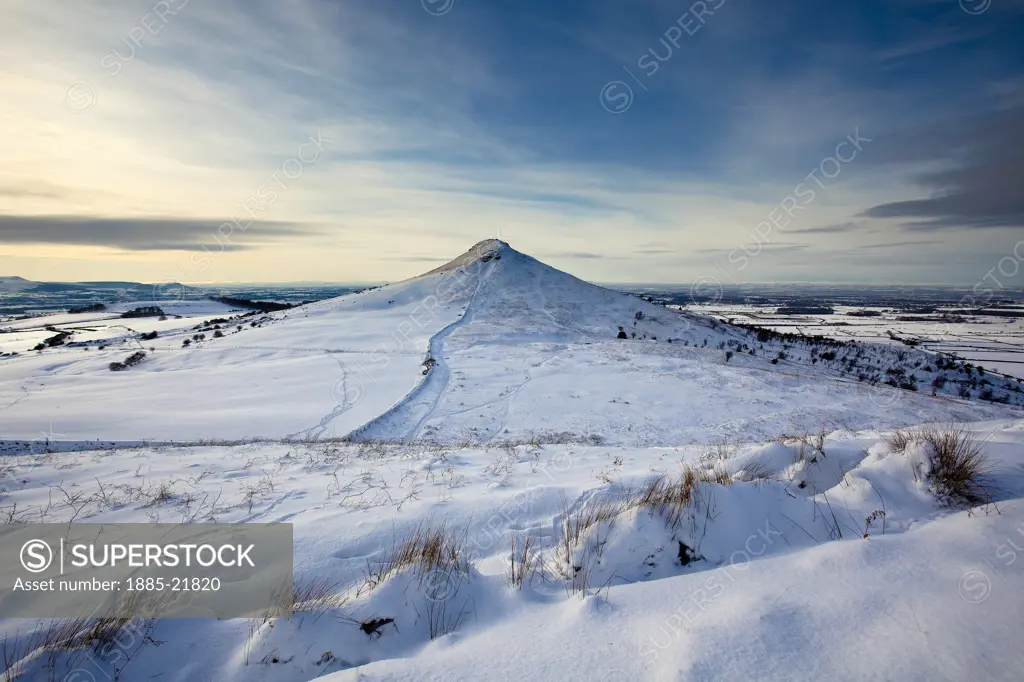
{"x":481,"y":251}
{"x":488,"y":247}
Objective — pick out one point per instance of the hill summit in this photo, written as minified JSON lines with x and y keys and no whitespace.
{"x":513,"y":297}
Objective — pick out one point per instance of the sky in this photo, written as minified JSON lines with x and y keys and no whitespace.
{"x":630,"y":141}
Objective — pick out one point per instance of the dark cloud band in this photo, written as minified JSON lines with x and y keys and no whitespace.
{"x":979,"y":183}
{"x":145,"y":234}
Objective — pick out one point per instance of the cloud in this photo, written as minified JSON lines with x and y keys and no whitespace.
{"x":654,"y":251}
{"x":440,"y":132}
{"x":760,"y":253}
{"x":931,"y":39}
{"x":36,"y":190}
{"x":827,"y":229}
{"x":579,"y":255}
{"x":418,"y":259}
{"x":144,"y":234}
{"x":776,"y":247}
{"x":974,"y":179}
{"x":893,"y":245}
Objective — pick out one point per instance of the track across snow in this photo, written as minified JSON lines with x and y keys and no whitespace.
{"x":405,"y":420}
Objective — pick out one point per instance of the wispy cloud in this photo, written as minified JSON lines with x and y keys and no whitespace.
{"x":897,"y":245}
{"x":842,"y":228}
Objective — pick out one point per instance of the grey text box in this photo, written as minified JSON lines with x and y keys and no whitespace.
{"x":145,"y":570}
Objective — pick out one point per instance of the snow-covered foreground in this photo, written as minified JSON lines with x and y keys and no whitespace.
{"x":779,"y":580}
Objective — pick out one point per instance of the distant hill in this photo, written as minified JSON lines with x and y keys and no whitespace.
{"x":14,"y":284}
{"x":18,"y":284}
{"x":20,"y":296}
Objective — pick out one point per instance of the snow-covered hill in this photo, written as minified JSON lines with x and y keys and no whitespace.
{"x":13,"y":284}
{"x":538,"y":353}
{"x":494,"y":345}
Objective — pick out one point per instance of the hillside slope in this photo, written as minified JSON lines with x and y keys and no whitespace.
{"x":493,"y":345}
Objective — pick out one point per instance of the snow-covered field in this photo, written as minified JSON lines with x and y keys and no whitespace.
{"x":995,"y":343}
{"x":698,"y":500}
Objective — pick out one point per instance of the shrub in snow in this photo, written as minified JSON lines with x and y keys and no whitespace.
{"x":428,"y":364}
{"x":94,"y":308}
{"x":53,"y":341}
{"x":910,"y":384}
{"x":144,"y":311}
{"x":525,"y":562}
{"x":956,"y":463}
{"x":130,"y":361}
{"x":582,"y":557}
